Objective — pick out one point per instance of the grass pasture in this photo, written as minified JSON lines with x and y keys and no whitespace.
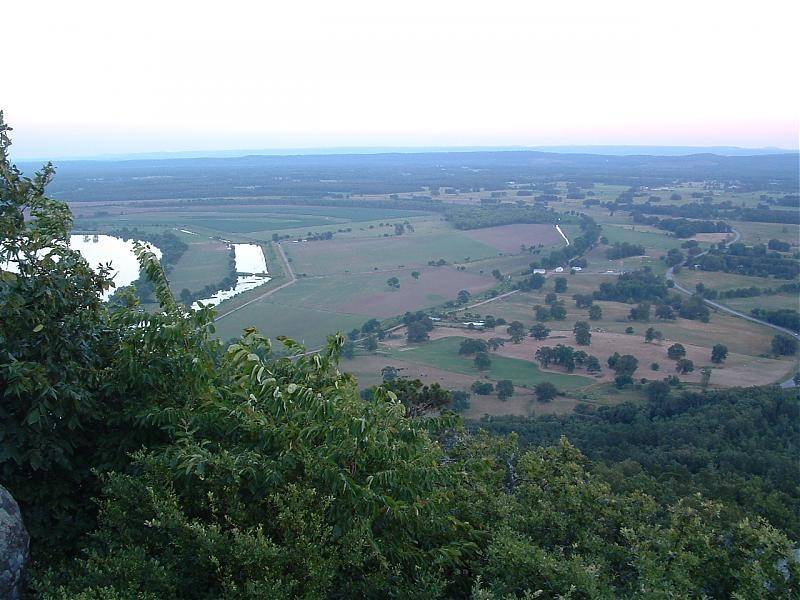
{"x":358,"y":255}
{"x":230,"y":218}
{"x":205,"y":262}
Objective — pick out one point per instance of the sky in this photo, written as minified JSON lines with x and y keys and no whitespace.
{"x":90,"y":78}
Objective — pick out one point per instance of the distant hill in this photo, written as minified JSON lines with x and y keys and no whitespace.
{"x":611,"y":150}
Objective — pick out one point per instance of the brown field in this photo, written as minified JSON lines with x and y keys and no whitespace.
{"x":509,"y":238}
{"x":738,"y":369}
{"x":367,"y":369}
{"x":435,"y":286}
{"x":711,"y":238}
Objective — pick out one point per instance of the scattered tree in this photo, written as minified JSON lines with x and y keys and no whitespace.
{"x":719,"y":353}
{"x":516,"y":331}
{"x":540,"y":331}
{"x":545,"y":391}
{"x":505,"y":389}
{"x":482,"y":388}
{"x":583,"y":336}
{"x":482,"y":361}
{"x":471,"y":346}
{"x":676,"y":351}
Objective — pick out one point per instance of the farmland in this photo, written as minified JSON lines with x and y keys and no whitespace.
{"x":342,"y":251}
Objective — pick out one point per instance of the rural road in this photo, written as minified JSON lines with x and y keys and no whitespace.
{"x":788,"y":383}
{"x":292,"y":279}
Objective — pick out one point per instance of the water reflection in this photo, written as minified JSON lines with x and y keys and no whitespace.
{"x":251,"y":267}
{"x":101,"y":249}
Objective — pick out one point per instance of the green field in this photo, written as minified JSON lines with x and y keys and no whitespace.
{"x":443,"y":354}
{"x":205,"y":262}
{"x":229,"y":218}
{"x":305,"y":325}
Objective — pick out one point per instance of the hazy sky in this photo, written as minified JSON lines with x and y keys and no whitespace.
{"x":87,"y":78}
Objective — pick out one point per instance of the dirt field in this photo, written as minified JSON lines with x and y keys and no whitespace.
{"x":711,"y":238}
{"x":434,"y":286}
{"x":509,"y":238}
{"x":358,"y":255}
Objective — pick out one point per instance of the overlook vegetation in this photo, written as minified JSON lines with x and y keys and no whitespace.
{"x":151,"y":460}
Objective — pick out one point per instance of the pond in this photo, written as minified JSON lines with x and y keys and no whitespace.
{"x":251,"y":269}
{"x":101,"y":249}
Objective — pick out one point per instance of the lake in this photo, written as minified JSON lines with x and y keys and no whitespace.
{"x":251,"y":267}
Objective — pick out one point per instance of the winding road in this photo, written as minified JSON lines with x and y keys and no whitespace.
{"x":788,"y":383}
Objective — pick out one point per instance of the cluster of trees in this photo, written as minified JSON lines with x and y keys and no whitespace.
{"x":568,"y":358}
{"x":555,"y":310}
{"x":418,"y":325}
{"x":644,"y":287}
{"x":151,"y":461}
{"x":682,"y":228}
{"x":783,"y":317}
{"x":478,"y":217}
{"x":624,"y":250}
{"x":784,"y":345}
{"x":755,"y":261}
{"x":753,"y":291}
{"x":725,"y":210}
{"x":624,"y":365}
{"x":635,"y":286}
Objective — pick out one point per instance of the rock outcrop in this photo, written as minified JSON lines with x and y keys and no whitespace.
{"x":13,"y":546}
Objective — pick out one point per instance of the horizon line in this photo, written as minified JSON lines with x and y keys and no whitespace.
{"x":597,"y":149}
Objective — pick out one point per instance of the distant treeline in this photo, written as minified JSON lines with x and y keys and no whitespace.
{"x":752,"y":291}
{"x":725,"y":210}
{"x":315,"y":176}
{"x":624,"y":250}
{"x":682,"y":228}
{"x":737,"y":445}
{"x":171,"y":246}
{"x":477,"y":217}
